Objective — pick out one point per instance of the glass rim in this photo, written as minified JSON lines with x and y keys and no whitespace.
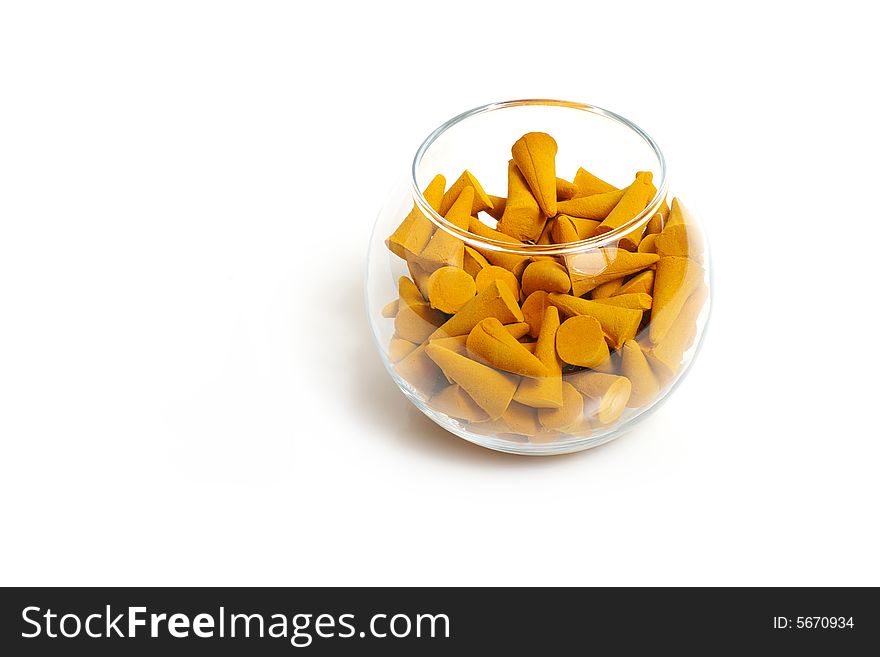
{"x":567,"y":248}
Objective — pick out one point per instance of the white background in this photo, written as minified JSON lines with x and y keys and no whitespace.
{"x":189,"y":393}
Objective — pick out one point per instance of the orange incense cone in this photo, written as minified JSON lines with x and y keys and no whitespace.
{"x":675,"y":280}
{"x":592,"y":268}
{"x":500,"y":274}
{"x":635,"y":198}
{"x":546,"y":391}
{"x":635,"y":367}
{"x":449,"y":288}
{"x":547,"y":275}
{"x":415,"y":231}
{"x":480,"y":201}
{"x":495,"y":300}
{"x":618,"y":324}
{"x":635,"y":300}
{"x":458,"y":343}
{"x":596,"y":206}
{"x":580,"y":341}
{"x":490,"y":343}
{"x":522,"y":218}
{"x":490,"y":389}
{"x":609,"y":392}
{"x":511,"y":261}
{"x":535,"y":155}
{"x":446,"y":249}
{"x":455,"y":402}
{"x":587,"y":184}
{"x":567,"y":415}
{"x":640,"y":283}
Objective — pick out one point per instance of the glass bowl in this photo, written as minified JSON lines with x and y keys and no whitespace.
{"x":554,"y":316}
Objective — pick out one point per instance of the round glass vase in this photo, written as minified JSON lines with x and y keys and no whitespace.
{"x":645,"y":281}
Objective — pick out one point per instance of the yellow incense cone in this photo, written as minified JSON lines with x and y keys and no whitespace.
{"x":618,"y":324}
{"x":656,"y":223}
{"x":535,"y":155}
{"x":498,"y":205}
{"x":666,"y":356}
{"x":545,"y":237}
{"x":611,"y":394}
{"x":522,"y":218}
{"x":635,"y":300}
{"x":518,"y":329}
{"x":635,"y":367}
{"x":530,"y":347}
{"x":458,"y":343}
{"x":565,"y":190}
{"x":592,"y":268}
{"x":678,"y":215}
{"x":587,"y":184}
{"x":596,"y":206}
{"x":446,"y":249}
{"x":680,"y":237}
{"x":547,"y":275}
{"x":418,"y":274}
{"x":565,"y":416}
{"x":633,"y":201}
{"x":479,"y":202}
{"x":533,"y":310}
{"x":490,"y":389}
{"x":415,"y":322}
{"x":607,"y":289}
{"x":500,"y":274}
{"x":419,"y":371}
{"x":398,"y":348}
{"x":521,"y":420}
{"x":511,"y":261}
{"x":450,"y":288}
{"x":648,"y":244}
{"x":415,"y":319}
{"x":675,"y":280}
{"x":581,"y":341}
{"x":389,"y":310}
{"x":546,"y":391}
{"x":474,"y":261}
{"x":490,"y":343}
{"x":408,"y":292}
{"x":455,"y":402}
{"x":567,"y":229}
{"x":415,"y":231}
{"x":495,"y":300}
{"x":639,"y":284}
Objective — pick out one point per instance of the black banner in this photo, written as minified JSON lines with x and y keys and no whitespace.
{"x":407,"y":621}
